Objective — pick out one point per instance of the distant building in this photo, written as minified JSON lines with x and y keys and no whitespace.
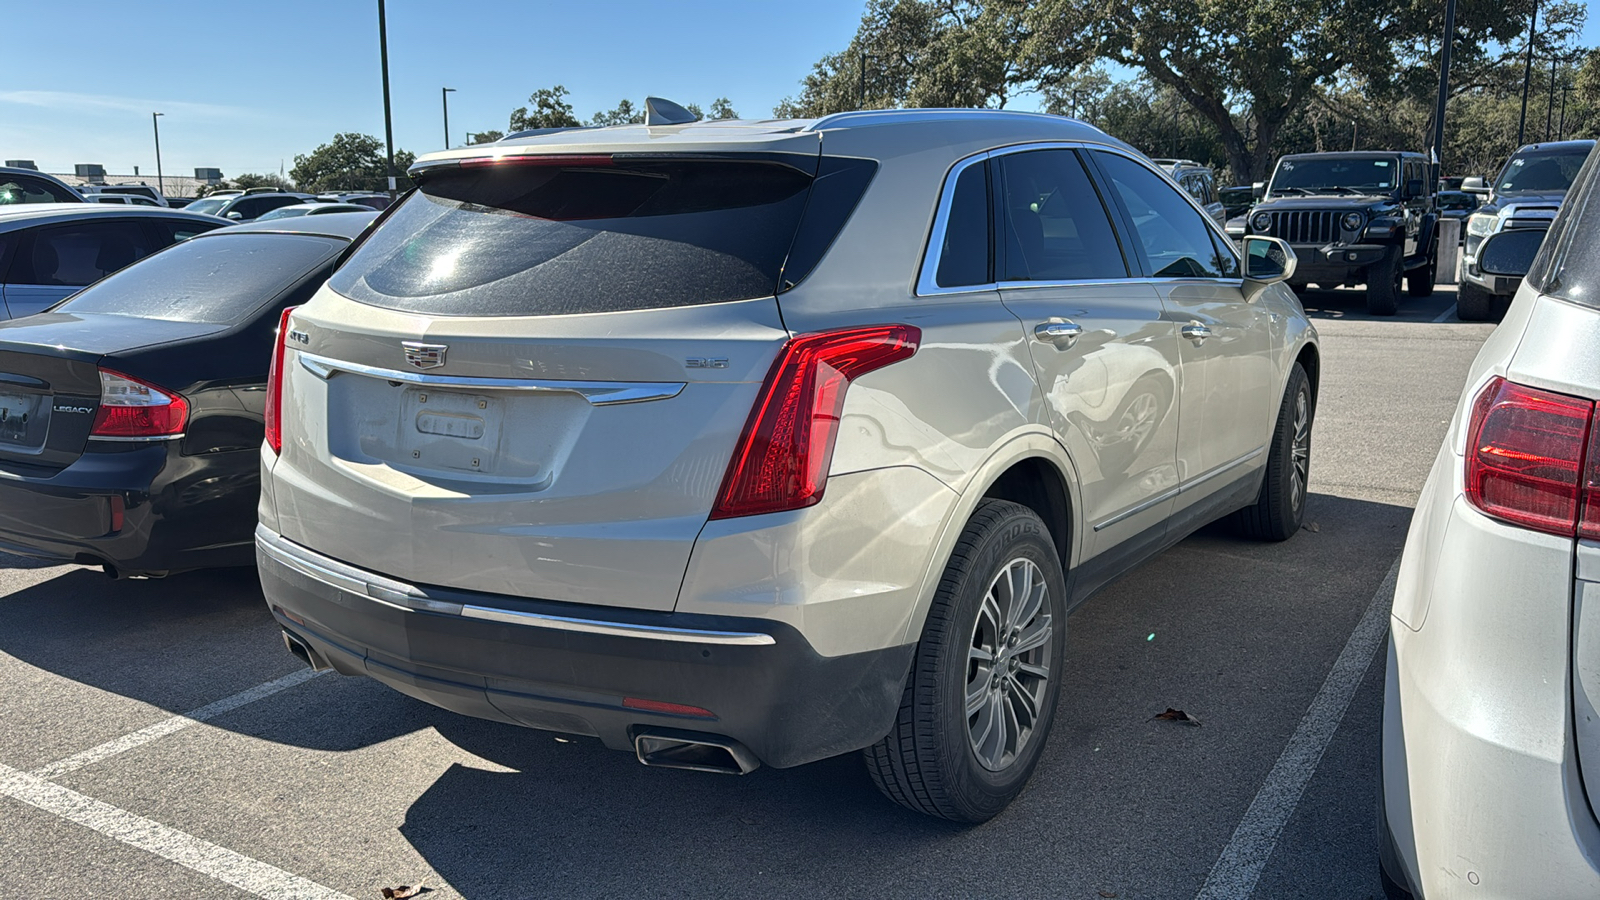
{"x":22,"y":164}
{"x":173,"y":185}
{"x":93,"y":173}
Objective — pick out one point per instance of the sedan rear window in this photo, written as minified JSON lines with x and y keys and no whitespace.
{"x":220,"y":279}
{"x":591,"y":235}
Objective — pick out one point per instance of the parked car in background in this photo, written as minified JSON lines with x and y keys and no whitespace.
{"x":311,"y":209}
{"x":121,"y":199}
{"x":756,"y":443}
{"x":1491,"y":718}
{"x":149,"y":193}
{"x":19,"y":186}
{"x":1199,"y":181}
{"x":133,"y":411}
{"x":1505,"y":232}
{"x":1458,"y":205}
{"x":1236,"y":201}
{"x":1362,"y":217}
{"x":367,"y":199}
{"x":50,"y":251}
{"x":246,"y":206}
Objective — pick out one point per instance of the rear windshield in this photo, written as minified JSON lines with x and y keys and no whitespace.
{"x":209,"y":205}
{"x":1542,"y":170}
{"x":600,"y":235}
{"x":1568,"y":264}
{"x":220,"y":279}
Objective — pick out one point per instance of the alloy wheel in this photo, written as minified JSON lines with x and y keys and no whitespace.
{"x":1008,"y":664}
{"x":1300,"y":451}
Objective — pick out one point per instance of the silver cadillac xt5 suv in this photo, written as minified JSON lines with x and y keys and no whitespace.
{"x":760,"y":442}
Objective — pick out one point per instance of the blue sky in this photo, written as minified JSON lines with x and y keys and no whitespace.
{"x":246,"y":86}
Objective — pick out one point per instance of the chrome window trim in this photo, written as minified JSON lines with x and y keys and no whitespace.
{"x":598,"y":393}
{"x":928,"y":286}
{"x":399,"y":595}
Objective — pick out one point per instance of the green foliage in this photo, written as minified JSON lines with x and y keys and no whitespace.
{"x":247,"y":181}
{"x":623,"y":114}
{"x":722,"y":108}
{"x":550,"y":110}
{"x":350,"y":162}
{"x":484,"y":137}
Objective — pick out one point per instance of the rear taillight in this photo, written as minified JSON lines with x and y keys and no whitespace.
{"x":130,"y":408}
{"x":781,"y":461}
{"x":1525,"y":452}
{"x":273,"y":412}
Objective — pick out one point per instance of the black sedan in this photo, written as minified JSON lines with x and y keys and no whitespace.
{"x":131,"y":413}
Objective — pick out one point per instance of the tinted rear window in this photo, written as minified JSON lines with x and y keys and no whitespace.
{"x":218,"y":280}
{"x":529,"y":240}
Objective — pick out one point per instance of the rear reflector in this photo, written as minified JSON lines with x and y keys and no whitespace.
{"x":1525,"y":450}
{"x":781,"y":461}
{"x":130,"y":408}
{"x":273,"y":414}
{"x":676,"y":709}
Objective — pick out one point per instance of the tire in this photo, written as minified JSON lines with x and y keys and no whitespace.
{"x":1419,"y":281}
{"x":1280,"y":507}
{"x":1473,"y":303}
{"x":1383,"y":284}
{"x":932,"y":761}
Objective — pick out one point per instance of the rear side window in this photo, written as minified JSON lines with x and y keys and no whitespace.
{"x":16,"y":189}
{"x":1056,"y":228}
{"x":220,"y":279}
{"x":1568,"y":264}
{"x":79,"y":254}
{"x":588,"y":236}
{"x":964,"y":254}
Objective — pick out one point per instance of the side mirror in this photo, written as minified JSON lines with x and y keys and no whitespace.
{"x":1474,"y":185}
{"x":1258,"y":190}
{"x":1267,"y":260}
{"x":235,"y":215}
{"x":1414,"y":188}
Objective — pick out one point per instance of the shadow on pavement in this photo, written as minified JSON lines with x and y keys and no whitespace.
{"x":176,"y":643}
{"x":1240,"y":634}
{"x":1351,"y":304}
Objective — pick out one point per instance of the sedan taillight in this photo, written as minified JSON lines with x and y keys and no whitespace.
{"x":132,"y":409}
{"x":1527,"y":459}
{"x":273,"y":415}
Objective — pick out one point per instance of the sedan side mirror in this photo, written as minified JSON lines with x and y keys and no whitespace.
{"x":236,"y":215}
{"x":1267,"y":260}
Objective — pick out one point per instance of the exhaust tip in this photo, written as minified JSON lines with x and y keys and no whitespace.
{"x":306,"y":655}
{"x":695,"y":752}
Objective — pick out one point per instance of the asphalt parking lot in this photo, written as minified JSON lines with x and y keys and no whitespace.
{"x":330,"y":787}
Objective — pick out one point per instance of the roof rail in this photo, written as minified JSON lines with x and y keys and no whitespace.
{"x":264,"y":190}
{"x":862,"y":118}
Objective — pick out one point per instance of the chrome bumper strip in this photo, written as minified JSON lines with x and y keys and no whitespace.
{"x":598,"y":393}
{"x":402,"y":596}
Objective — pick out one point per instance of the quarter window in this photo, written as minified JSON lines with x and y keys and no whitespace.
{"x":964,"y":255}
{"x":1175,"y":238}
{"x":1056,"y":227}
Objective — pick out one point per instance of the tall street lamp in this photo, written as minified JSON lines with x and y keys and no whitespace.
{"x":388,"y":119}
{"x":1527,"y":74}
{"x":155,"y":124}
{"x":1446,"y":43}
{"x":444,"y":97}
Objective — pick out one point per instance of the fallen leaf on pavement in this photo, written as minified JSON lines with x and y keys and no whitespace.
{"x":403,"y":892}
{"x":1108,"y":894}
{"x":1176,"y":715}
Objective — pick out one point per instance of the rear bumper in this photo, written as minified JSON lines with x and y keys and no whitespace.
{"x":581,"y":669}
{"x":178,"y":512}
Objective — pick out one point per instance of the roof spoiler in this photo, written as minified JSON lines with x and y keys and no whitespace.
{"x":664,"y":112}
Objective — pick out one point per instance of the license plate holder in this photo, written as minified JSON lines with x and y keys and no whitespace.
{"x":23,"y":419}
{"x":450,"y":429}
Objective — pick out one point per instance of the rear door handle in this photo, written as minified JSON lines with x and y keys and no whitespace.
{"x":1059,"y":332}
{"x":1195,"y":332}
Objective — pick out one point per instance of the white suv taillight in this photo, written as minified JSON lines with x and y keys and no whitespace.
{"x":1532,"y":460}
{"x":273,"y":415}
{"x":781,"y":461}
{"x":131,"y":409}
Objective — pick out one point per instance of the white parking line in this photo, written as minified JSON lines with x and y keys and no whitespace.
{"x":1447,"y":315}
{"x":175,"y":723}
{"x":185,"y":849}
{"x":1237,"y":870}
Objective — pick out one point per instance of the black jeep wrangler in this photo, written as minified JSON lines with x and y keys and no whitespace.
{"x":1363,"y":217}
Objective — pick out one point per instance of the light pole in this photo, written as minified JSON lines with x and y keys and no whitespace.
{"x":1550,"y":108}
{"x":388,"y":119}
{"x":1444,"y":89}
{"x":155,"y":124}
{"x":444,"y":97}
{"x":1527,"y":74}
